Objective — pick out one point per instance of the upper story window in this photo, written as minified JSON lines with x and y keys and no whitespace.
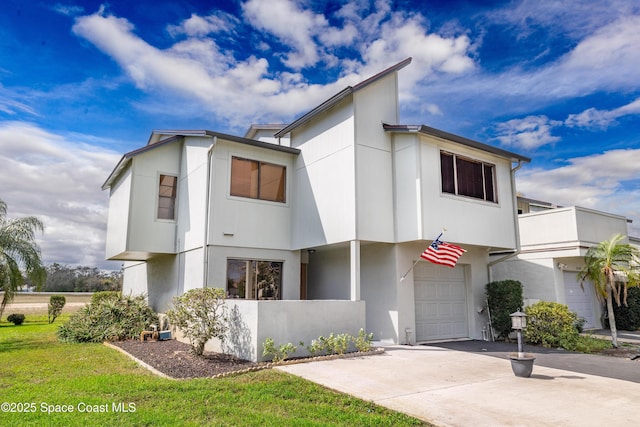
{"x":167,"y":197}
{"x":467,"y":177}
{"x":258,"y":180}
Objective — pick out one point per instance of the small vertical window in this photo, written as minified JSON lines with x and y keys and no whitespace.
{"x":167,"y":197}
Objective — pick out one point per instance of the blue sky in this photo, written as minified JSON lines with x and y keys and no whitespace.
{"x":82,"y":82}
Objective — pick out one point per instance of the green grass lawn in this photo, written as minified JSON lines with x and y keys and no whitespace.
{"x":50,"y":383}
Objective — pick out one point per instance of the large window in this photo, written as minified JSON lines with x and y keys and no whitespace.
{"x":467,"y":177}
{"x":251,"y":279}
{"x":258,"y":180}
{"x":167,"y":197}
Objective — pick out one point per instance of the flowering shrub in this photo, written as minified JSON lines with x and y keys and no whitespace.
{"x":200,"y":314}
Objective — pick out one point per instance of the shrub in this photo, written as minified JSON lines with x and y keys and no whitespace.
{"x":628,"y":317}
{"x":278,"y":353}
{"x":200,"y":314}
{"x":97,"y":297}
{"x":109,"y":319}
{"x":551,"y":324}
{"x":16,"y":319}
{"x":362,"y":341}
{"x":56,"y":304}
{"x":503,"y":298}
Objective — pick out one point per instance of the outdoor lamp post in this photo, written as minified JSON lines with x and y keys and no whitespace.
{"x":522,"y":364}
{"x":518,"y":323}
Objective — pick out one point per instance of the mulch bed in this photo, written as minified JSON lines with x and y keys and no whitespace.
{"x":174,"y":358}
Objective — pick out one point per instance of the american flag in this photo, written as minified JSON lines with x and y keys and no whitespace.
{"x":442,"y":253}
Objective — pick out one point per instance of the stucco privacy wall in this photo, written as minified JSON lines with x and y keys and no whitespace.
{"x":284,"y":322}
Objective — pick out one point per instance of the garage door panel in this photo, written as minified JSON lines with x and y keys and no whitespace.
{"x":440,"y":302}
{"x":580,"y":299}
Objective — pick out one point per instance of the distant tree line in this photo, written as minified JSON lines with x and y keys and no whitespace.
{"x":62,"y":278}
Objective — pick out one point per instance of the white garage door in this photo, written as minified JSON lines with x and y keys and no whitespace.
{"x":441,"y":302}
{"x":578,"y":299}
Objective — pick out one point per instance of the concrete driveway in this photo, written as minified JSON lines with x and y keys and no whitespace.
{"x":449,"y":387}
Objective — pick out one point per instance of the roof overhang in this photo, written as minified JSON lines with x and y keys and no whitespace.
{"x":159,"y":138}
{"x":426,"y":130}
{"x":335,"y":99}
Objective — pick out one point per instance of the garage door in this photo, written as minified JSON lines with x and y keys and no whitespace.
{"x":578,"y":299}
{"x":441,"y":302}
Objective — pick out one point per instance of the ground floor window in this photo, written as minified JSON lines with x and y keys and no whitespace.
{"x":254,"y":279}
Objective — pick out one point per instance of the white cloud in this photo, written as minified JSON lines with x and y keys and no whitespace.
{"x":608,"y":182}
{"x":201,"y":26}
{"x":58,"y":180}
{"x":292,"y":25}
{"x":594,"y":118}
{"x":528,"y":133}
{"x":196,"y":70}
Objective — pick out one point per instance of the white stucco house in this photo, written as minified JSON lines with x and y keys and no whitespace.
{"x":332,"y":210}
{"x":553,"y":243}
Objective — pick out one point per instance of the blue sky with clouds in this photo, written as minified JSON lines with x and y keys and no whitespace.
{"x":82,"y":82}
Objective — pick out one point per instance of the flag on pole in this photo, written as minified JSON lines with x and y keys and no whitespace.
{"x":442,"y":253}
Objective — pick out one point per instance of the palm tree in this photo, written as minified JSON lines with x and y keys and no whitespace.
{"x":18,"y":250}
{"x":610,"y":266}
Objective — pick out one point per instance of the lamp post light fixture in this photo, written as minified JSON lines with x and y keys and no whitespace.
{"x":518,"y":323}
{"x":522,"y":364}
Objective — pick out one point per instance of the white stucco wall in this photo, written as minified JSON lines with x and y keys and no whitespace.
{"x":118,"y":217}
{"x":218,"y":256}
{"x":467,"y":220}
{"x":243,"y":222}
{"x":286,"y":322}
{"x":325,"y":179}
{"x":374,"y":105}
{"x":146,"y":232}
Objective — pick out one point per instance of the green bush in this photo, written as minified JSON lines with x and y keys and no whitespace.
{"x":277,"y":353}
{"x":109,"y":319}
{"x":56,"y":304}
{"x":97,"y":297}
{"x":200,"y":314}
{"x":551,"y":324}
{"x":628,"y":317}
{"x":503,"y":298}
{"x":16,"y":319}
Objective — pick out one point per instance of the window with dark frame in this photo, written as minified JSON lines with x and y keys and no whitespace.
{"x":258,"y":180}
{"x":254,"y":279}
{"x":466,"y":177}
{"x":167,"y":197}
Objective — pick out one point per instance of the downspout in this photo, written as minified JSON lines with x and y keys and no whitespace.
{"x":515,"y":224}
{"x":207,"y":212}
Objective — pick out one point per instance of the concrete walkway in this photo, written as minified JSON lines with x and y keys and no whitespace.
{"x":460,"y":388}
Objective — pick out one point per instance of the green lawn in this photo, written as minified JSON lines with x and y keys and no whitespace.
{"x":51,"y":383}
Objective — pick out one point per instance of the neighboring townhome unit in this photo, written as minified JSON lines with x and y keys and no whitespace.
{"x":315,"y":228}
{"x":554,"y":241}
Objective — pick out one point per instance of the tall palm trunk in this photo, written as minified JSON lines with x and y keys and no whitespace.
{"x":612,"y":317}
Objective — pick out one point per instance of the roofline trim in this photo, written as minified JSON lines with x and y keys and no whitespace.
{"x":426,"y":130}
{"x":340,"y":96}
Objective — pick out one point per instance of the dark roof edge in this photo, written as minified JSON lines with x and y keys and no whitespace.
{"x":455,"y":138}
{"x":340,"y":96}
{"x":178,"y":135}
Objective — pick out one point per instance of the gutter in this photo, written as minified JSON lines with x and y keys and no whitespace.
{"x":207,"y":212}
{"x":518,"y":249}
